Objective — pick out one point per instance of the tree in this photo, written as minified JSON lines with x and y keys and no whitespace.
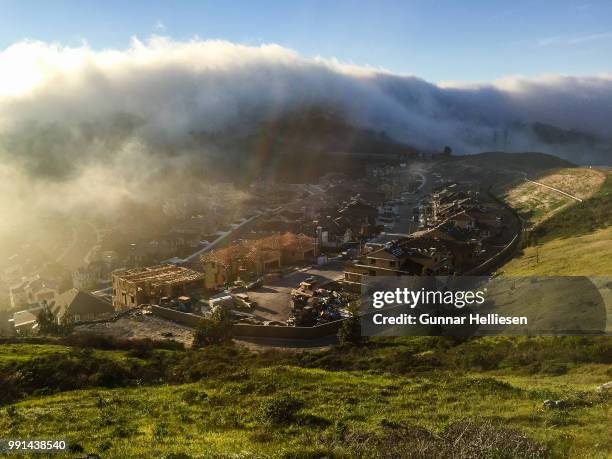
{"x":215,"y":329}
{"x":48,"y":323}
{"x":350,"y":331}
{"x":448,"y":150}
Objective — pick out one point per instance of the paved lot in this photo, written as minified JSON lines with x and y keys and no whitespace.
{"x":273,"y":298}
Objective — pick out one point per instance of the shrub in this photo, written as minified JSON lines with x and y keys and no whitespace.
{"x":350,"y":331}
{"x":216,"y":329}
{"x":554,"y":368}
{"x":280,"y":410}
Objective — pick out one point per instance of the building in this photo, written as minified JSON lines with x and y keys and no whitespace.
{"x":148,"y":285}
{"x":404,"y":257}
{"x":33,"y":289}
{"x":24,"y":322}
{"x":253,"y":258}
{"x":76,"y":306}
{"x":73,"y":305}
{"x":87,"y":277}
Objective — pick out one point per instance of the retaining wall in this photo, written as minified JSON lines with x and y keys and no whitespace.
{"x":259,"y":331}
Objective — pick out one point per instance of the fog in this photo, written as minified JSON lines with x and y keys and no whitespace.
{"x":82,"y":127}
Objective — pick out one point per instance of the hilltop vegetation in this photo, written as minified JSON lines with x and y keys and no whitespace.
{"x":419,"y":397}
{"x":576,"y":239}
{"x":593,"y":213}
{"x":530,"y":162}
{"x":585,"y":255}
{"x":299,"y":146}
{"x":535,"y":203}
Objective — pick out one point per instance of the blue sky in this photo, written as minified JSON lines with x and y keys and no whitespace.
{"x":461,"y":40}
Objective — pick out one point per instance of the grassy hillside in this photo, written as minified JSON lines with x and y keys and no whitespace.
{"x":586,"y":255}
{"x":574,"y":239}
{"x":420,"y":397}
{"x":530,"y":162}
{"x":536,"y":203}
{"x":593,"y":213}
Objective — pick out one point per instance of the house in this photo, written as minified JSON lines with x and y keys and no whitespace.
{"x":33,"y":289}
{"x":332,"y":232}
{"x":253,"y":258}
{"x":87,"y":277}
{"x":450,"y":232}
{"x":191,"y":231}
{"x":360,"y":216}
{"x":73,"y":305}
{"x":239,"y":260}
{"x":76,"y":305}
{"x":463,"y":220}
{"x":133,"y":287}
{"x":404,"y":257}
{"x":25,"y":321}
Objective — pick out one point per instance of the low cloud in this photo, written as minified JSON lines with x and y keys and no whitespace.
{"x":69,"y":114}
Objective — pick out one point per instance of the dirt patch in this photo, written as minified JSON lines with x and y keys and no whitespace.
{"x":140,"y":326}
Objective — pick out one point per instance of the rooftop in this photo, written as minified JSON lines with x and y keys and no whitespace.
{"x":158,"y":275}
{"x":253,"y":248}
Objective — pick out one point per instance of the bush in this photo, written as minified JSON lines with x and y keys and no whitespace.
{"x":137,"y":346}
{"x":350,"y":331}
{"x":216,"y":329}
{"x":554,"y":368}
{"x":280,"y":410}
{"x":48,"y":323}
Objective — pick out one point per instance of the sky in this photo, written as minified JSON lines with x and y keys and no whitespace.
{"x":438,"y":40}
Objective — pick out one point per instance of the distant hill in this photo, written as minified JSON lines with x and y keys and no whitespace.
{"x":554,"y":135}
{"x":301,"y":146}
{"x":529,"y":162}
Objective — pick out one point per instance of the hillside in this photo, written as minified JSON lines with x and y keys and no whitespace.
{"x":416,"y":397}
{"x":586,"y":255}
{"x":570,"y":238}
{"x":530,"y":162}
{"x":536,"y":203}
{"x":299,"y":147}
{"x":580,"y":218}
{"x":419,"y":397}
{"x":501,"y":172}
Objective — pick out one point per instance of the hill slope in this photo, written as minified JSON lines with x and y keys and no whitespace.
{"x":536,"y":203}
{"x":300,"y":146}
{"x":418,"y":397}
{"x":569,"y":238}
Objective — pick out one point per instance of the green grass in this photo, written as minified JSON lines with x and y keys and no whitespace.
{"x":208,"y":403}
{"x":586,"y":255}
{"x":576,"y":240}
{"x":219,"y":416}
{"x":580,"y":218}
{"x":10,"y":353}
{"x":536,"y":204}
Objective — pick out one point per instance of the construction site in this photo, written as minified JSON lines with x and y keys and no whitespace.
{"x":150,"y":285}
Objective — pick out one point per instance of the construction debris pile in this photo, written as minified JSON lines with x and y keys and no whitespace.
{"x":314,"y":306}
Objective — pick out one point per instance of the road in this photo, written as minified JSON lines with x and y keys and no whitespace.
{"x":405,"y":225}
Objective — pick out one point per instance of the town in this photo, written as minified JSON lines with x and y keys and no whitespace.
{"x":290,"y":257}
